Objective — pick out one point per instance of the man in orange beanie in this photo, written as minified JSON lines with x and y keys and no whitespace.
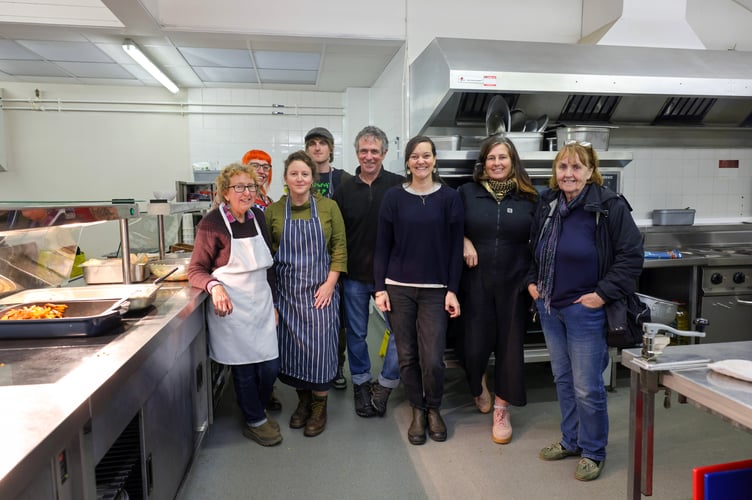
{"x":262,"y":162}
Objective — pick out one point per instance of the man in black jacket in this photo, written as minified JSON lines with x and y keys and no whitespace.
{"x":359,"y":200}
{"x":319,"y":144}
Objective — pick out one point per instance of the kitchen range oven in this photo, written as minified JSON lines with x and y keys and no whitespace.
{"x":725,"y":297}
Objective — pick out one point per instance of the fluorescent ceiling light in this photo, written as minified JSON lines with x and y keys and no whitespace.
{"x":132,"y":50}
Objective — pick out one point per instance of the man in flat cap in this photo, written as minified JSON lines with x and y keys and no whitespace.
{"x":319,"y":144}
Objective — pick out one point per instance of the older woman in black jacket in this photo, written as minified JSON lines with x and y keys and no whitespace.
{"x":587,"y":256}
{"x":499,"y":206}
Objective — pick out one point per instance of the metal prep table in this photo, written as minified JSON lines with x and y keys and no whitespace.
{"x":732,"y":401}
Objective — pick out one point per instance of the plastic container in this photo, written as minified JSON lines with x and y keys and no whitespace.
{"x":674,"y":217}
{"x":205,"y":175}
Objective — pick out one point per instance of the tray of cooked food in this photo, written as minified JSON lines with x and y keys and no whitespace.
{"x":65,"y":318}
{"x":140,"y":296}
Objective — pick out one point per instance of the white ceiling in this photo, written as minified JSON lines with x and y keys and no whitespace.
{"x":80,"y":42}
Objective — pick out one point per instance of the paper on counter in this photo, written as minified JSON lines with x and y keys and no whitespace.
{"x":737,"y":368}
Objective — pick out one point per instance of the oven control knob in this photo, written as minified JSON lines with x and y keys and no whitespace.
{"x":716,"y":278}
{"x":739,"y":278}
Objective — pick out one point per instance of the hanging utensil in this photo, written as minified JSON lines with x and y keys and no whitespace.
{"x":530,"y":126}
{"x":542,"y":123}
{"x":497,"y":116}
{"x":517,"y":120}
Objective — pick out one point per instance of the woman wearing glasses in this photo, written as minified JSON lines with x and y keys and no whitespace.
{"x":262,"y":164}
{"x":232,"y":261}
{"x":587,"y":256}
{"x":310,"y":251}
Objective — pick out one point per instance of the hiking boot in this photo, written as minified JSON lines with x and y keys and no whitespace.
{"x":588,"y":469}
{"x":363,"y":406}
{"x":379,"y":398}
{"x":303,"y":411}
{"x":436,"y":426}
{"x":416,"y":433}
{"x":483,"y":402}
{"x":264,"y":434}
{"x":273,"y":422}
{"x":339,"y":382}
{"x":556,"y":452}
{"x":316,"y":423}
{"x":273,"y":404}
{"x":502,"y":425}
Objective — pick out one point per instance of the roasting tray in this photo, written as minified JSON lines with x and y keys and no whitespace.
{"x":83,"y":318}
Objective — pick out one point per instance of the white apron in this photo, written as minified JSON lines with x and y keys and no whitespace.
{"x":249,"y":334}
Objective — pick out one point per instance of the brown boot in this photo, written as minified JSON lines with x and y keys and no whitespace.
{"x":303,"y":411}
{"x":317,"y":421}
{"x":436,"y":426}
{"x":416,"y":433}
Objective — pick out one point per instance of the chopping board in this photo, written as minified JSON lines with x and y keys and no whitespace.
{"x":672,"y":361}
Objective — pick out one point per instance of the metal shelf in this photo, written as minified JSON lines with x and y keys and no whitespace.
{"x":539,"y":159}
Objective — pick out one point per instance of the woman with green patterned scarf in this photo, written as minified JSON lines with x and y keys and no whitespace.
{"x":499,"y":206}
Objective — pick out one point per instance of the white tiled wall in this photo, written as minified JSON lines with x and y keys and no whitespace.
{"x":683,"y":177}
{"x":244,"y":121}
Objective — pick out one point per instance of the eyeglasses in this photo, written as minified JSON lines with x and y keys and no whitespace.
{"x":239,"y":188}
{"x":265,"y":166}
{"x":583,"y":144}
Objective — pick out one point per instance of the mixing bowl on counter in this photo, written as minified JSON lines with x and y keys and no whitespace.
{"x":160,"y":268}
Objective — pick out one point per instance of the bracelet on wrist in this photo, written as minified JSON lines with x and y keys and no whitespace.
{"x":380,"y":293}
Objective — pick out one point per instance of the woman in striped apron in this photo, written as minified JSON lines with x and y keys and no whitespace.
{"x":310,"y":251}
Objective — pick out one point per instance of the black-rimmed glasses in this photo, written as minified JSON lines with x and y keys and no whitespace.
{"x":264,"y":166}
{"x":239,"y":188}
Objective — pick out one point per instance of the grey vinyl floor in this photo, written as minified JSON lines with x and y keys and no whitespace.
{"x":357,"y":458}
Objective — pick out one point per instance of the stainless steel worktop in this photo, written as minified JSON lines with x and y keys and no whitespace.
{"x":721,"y":395}
{"x":42,"y":408}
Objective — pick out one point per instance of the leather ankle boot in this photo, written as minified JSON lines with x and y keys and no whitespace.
{"x":416,"y":433}
{"x":303,"y":411}
{"x":379,"y":398}
{"x":436,"y":426}
{"x":316,"y":423}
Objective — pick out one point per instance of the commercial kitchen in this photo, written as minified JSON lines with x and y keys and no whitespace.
{"x":124,"y":401}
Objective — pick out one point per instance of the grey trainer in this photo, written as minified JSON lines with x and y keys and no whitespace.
{"x":556,"y":452}
{"x":588,"y":469}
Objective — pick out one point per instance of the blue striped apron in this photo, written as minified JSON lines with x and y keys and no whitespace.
{"x":307,"y":336}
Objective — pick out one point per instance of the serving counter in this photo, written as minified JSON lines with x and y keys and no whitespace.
{"x":58,"y":424}
{"x":726,"y":397}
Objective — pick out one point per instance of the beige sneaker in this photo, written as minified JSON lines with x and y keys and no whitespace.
{"x":483,"y":402}
{"x":264,"y":434}
{"x":502,"y":425}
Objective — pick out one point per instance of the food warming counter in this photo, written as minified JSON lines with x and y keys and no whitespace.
{"x":59,"y":421}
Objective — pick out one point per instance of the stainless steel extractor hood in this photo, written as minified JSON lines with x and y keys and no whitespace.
{"x":660,"y":90}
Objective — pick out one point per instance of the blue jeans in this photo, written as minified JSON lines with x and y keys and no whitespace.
{"x":357,"y":302}
{"x":576,"y":341}
{"x":420,"y":323}
{"x":253,"y":387}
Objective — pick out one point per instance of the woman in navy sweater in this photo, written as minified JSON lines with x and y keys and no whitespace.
{"x":417,"y":269}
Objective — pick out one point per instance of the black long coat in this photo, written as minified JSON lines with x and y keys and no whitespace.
{"x":493,"y":295}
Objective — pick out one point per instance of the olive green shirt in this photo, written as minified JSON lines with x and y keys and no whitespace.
{"x":331,"y":223}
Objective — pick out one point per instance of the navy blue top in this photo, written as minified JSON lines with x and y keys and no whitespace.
{"x":576,"y":265}
{"x":419,"y":238}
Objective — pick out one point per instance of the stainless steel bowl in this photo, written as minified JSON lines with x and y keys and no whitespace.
{"x":160,"y":268}
{"x":661,"y":311}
